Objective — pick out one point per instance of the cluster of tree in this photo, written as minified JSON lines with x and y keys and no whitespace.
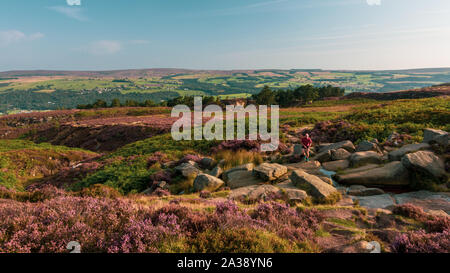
{"x":301,"y":95}
{"x":189,"y":101}
{"x":116,"y":103}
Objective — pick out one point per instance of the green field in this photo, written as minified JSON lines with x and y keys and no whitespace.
{"x":34,"y":92}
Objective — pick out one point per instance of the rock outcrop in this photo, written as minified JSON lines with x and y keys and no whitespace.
{"x":425,"y":162}
{"x":312,"y":184}
{"x":239,"y":179}
{"x":363,"y":158}
{"x":207,"y":182}
{"x":397,"y":155}
{"x":270,"y":172}
{"x":347,"y":145}
{"x":391,"y":174}
{"x":436,"y":136}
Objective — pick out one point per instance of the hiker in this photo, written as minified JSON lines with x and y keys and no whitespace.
{"x":306,"y":142}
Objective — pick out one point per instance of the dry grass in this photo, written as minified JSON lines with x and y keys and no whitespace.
{"x":233,"y":159}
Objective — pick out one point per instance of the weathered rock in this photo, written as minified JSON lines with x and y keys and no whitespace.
{"x":363,"y":158}
{"x":310,"y":167}
{"x":426,"y":162}
{"x":397,"y":155}
{"x":292,"y":192}
{"x":323,"y":156}
{"x":326,"y":179}
{"x":336,"y":165}
{"x":244,"y":167}
{"x":426,"y":200}
{"x":187,"y":170}
{"x":434,"y":135}
{"x":254,"y":193}
{"x":365,"y":146}
{"x":312,"y":184}
{"x":239,"y":179}
{"x":358,"y":190}
{"x":391,"y":174}
{"x":340,"y":154}
{"x":347,"y":145}
{"x":377,"y":201}
{"x":207,"y":163}
{"x":270,"y":172}
{"x":216,"y":172}
{"x":207,"y":182}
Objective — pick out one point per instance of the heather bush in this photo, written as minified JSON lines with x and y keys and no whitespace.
{"x":164,"y":175}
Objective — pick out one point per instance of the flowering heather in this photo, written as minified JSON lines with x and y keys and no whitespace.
{"x":157,"y":157}
{"x":435,"y":238}
{"x":236,"y":145}
{"x":190,"y":157}
{"x":164,"y":175}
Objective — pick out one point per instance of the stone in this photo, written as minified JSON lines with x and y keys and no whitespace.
{"x":365,"y":146}
{"x":336,"y":165}
{"x":244,"y":167}
{"x":187,"y":170}
{"x":326,"y":179}
{"x":426,"y":162}
{"x":347,"y":145}
{"x":217,"y":171}
{"x":363,"y":158}
{"x":310,"y":167}
{"x":312,"y":184}
{"x":207,"y":163}
{"x":391,"y":174}
{"x":426,"y":200}
{"x":270,"y":171}
{"x":358,"y":190}
{"x":207,"y":182}
{"x":254,"y":193}
{"x":397,"y":155}
{"x":433,"y":135}
{"x":340,"y":154}
{"x":292,"y":192}
{"x":377,"y":201}
{"x":323,"y":156}
{"x":239,"y":179}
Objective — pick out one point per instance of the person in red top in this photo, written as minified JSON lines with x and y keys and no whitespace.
{"x":306,"y":142}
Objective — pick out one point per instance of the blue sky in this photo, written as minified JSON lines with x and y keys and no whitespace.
{"x":224,"y":34}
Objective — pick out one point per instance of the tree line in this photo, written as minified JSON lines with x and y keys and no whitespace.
{"x":301,"y":95}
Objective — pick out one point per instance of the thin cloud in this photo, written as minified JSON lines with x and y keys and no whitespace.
{"x":9,"y":37}
{"x":71,"y":12}
{"x":374,"y":2}
{"x":74,"y":2}
{"x":139,"y":42}
{"x":104,"y":47}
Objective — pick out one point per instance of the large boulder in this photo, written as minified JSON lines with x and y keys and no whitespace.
{"x":425,"y":162}
{"x":312,"y":184}
{"x":254,"y":193}
{"x":426,"y":200}
{"x":298,"y":149}
{"x":216,"y":172}
{"x":187,"y":170}
{"x":437,"y":136}
{"x":207,"y":182}
{"x":207,"y":163}
{"x":310,"y":167}
{"x":239,"y":179}
{"x":397,"y":155}
{"x":270,"y":172}
{"x":336,"y":165}
{"x":324,"y":156}
{"x":366,"y":145}
{"x":340,"y":154}
{"x":363,"y":158}
{"x":391,"y":174}
{"x":292,"y":192}
{"x":346,"y":144}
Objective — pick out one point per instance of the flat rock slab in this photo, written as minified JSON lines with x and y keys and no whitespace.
{"x":238,"y":179}
{"x":254,"y":193}
{"x":340,"y":154}
{"x":397,"y":155}
{"x":311,"y":166}
{"x":244,"y":167}
{"x":270,"y":171}
{"x":426,"y":200}
{"x":377,"y":201}
{"x":336,"y":165}
{"x":391,"y":174}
